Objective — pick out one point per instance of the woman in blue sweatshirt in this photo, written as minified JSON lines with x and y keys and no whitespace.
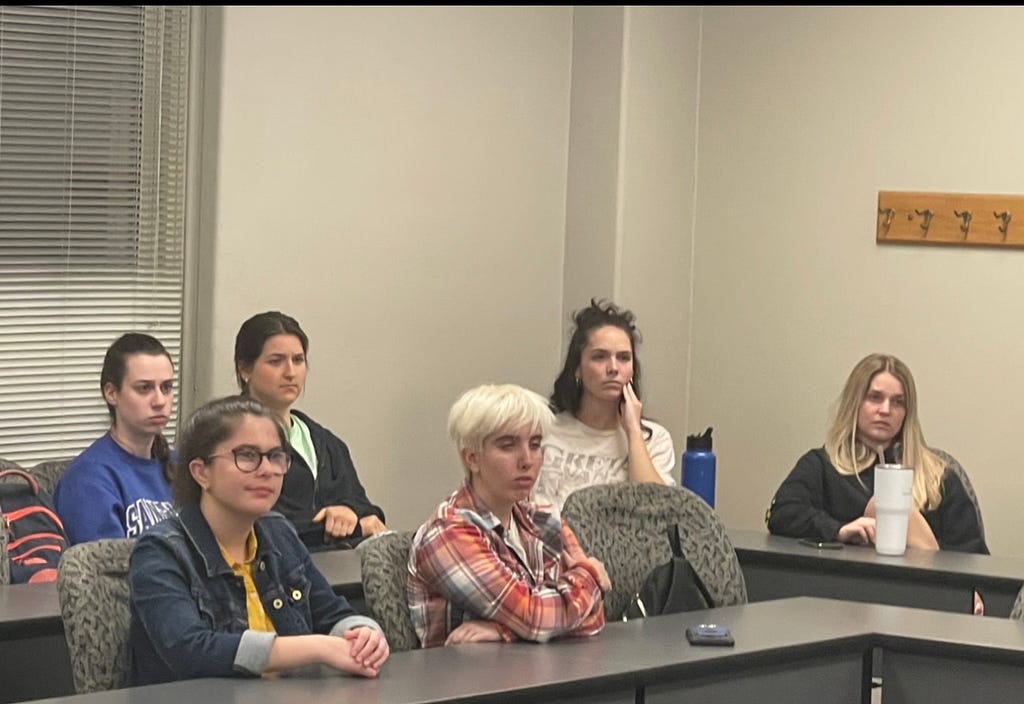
{"x":120,"y":485}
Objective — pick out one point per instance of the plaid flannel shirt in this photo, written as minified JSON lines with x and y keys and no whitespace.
{"x":460,"y":564}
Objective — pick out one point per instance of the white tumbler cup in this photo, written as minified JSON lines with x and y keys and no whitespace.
{"x":894,"y":486}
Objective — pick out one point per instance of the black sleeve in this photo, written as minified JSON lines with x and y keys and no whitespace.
{"x":798,"y":507}
{"x":343,"y":486}
{"x":955,"y":521}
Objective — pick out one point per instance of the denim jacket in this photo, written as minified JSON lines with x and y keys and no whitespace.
{"x":188,"y":608}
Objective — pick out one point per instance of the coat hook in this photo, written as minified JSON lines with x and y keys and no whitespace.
{"x":889,"y":214}
{"x":1005,"y":217}
{"x":965,"y":216}
{"x":926,"y":221}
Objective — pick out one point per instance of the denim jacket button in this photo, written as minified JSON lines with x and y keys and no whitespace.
{"x":263,"y":566}
{"x":296,"y":594}
{"x":278,"y":603}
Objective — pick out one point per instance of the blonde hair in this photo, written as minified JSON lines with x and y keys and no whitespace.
{"x":850,"y":456}
{"x":485,"y":410}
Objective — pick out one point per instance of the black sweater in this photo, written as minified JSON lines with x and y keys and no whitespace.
{"x":336,"y":484}
{"x":815,"y":501}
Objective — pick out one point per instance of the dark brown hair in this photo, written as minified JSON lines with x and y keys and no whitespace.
{"x":255,"y":332}
{"x":115,"y":363}
{"x":209,"y":426}
{"x":567,"y":392}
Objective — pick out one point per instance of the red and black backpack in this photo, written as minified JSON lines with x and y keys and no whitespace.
{"x":36,"y":537}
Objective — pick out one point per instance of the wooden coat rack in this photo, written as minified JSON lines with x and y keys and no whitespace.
{"x":966,"y":219}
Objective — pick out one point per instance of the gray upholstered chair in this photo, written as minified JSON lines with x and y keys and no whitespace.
{"x":49,"y":473}
{"x":93,"y":588}
{"x":624,"y":525}
{"x":384,"y":560}
{"x":8,"y":464}
{"x":953,"y":466}
{"x":1017,"y":612}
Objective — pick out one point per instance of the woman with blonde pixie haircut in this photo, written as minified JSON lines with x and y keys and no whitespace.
{"x":483,"y":411}
{"x":488,"y":565}
{"x":829,"y":493}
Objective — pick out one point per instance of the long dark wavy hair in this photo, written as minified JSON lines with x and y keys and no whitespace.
{"x":567,"y":392}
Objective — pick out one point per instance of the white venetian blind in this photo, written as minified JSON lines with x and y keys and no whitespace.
{"x":93,"y":103}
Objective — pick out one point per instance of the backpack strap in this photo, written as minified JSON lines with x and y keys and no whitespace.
{"x":14,"y":471}
{"x":677,"y":551}
{"x":673,"y":541}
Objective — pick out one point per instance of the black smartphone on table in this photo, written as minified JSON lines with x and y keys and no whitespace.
{"x":821,"y":544}
{"x":709,"y":634}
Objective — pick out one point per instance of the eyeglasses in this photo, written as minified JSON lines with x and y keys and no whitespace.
{"x":249,"y":460}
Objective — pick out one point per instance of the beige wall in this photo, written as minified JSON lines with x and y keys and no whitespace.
{"x":805,"y":114}
{"x":591,"y":224}
{"x":395,"y":179}
{"x":432,"y":191}
{"x":630,"y":184}
{"x":656,"y":201}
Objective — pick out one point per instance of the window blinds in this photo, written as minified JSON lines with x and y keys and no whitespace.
{"x":93,"y":109}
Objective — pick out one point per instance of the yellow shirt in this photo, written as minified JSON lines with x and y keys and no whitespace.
{"x":258,"y":619}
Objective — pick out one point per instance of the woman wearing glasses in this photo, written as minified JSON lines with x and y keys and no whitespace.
{"x":225,"y":587}
{"x":322,"y":495}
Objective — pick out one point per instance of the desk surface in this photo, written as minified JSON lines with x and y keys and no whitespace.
{"x":34,"y":660}
{"x":32,"y":613}
{"x":778,"y":567}
{"x":342,"y":570}
{"x":625,"y":655}
{"x":29,"y":608}
{"x":958,"y":566}
{"x":34,"y":609}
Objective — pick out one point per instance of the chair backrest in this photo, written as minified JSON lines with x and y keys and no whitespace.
{"x":49,"y":473}
{"x":624,"y":526}
{"x":955,"y":467}
{"x":93,"y":588}
{"x":1017,"y":612}
{"x":9,"y":464}
{"x":384,"y":560}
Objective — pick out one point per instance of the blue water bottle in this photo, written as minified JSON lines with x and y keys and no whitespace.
{"x":698,"y":466}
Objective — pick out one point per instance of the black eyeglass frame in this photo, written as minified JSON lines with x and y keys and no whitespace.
{"x":250,"y":454}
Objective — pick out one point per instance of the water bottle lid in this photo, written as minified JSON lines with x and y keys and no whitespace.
{"x":699,"y":442}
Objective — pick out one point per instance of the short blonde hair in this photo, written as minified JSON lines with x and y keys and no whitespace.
{"x":484,"y":410}
{"x":850,"y":456}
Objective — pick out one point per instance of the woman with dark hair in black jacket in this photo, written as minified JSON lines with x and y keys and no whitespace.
{"x":322,"y":494}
